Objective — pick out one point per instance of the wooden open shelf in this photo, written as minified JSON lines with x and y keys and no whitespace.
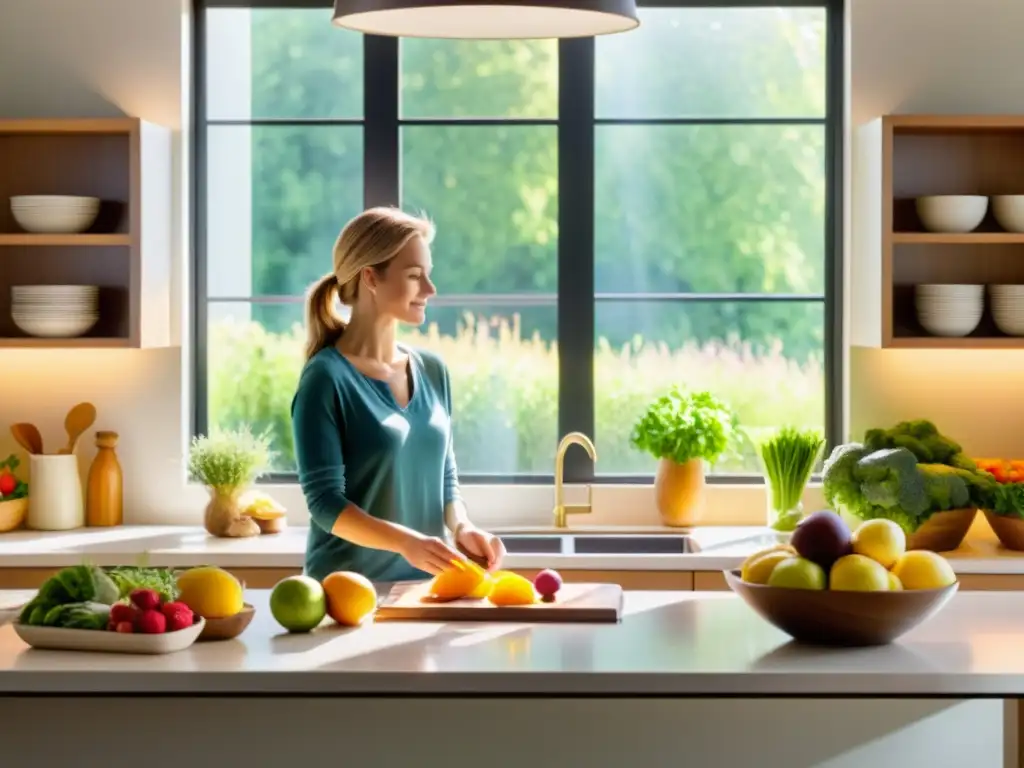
{"x":945,"y":155}
{"x":126,"y":162}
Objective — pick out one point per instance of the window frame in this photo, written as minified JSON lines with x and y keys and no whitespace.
{"x":576,"y":300}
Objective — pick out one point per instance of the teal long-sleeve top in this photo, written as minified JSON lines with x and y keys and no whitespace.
{"x":355,"y":444}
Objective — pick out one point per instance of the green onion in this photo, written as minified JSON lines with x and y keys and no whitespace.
{"x":788,"y":458}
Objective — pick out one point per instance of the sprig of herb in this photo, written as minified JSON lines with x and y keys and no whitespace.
{"x":685,"y":425}
{"x":229,"y":459}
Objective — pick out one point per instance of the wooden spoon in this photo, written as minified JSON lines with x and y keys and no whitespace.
{"x":79,"y":419}
{"x":28,"y":437}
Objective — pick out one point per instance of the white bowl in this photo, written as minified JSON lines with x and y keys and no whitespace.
{"x":1009,"y":212}
{"x":54,"y":214}
{"x":55,"y":328}
{"x":951,"y":213}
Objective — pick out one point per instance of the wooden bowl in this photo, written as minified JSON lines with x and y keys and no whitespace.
{"x":12,"y":514}
{"x":943,"y":531}
{"x":229,"y":628}
{"x":1009,"y":530}
{"x":841,"y":618}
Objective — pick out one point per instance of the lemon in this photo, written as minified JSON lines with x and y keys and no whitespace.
{"x":881,"y":540}
{"x":211,"y":592}
{"x":923,"y":569}
{"x":858,"y":573}
{"x":759,"y":570}
{"x":895,"y":585}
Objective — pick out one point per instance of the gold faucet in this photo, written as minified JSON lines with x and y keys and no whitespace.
{"x":563,"y":510}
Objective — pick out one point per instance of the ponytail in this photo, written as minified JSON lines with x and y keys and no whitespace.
{"x":323,"y":325}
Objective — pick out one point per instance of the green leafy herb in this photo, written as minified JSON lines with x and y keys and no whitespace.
{"x":230,"y":459}
{"x":129,"y":577}
{"x":685,"y":425}
{"x":1009,"y":499}
{"x":788,"y":458}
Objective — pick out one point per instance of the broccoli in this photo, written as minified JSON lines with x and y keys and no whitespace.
{"x":889,"y":478}
{"x":921,"y":438}
{"x":945,"y":486}
{"x":860,"y":488}
{"x":837,"y":475}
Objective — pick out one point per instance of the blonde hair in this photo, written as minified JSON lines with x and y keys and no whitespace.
{"x":371,"y":239}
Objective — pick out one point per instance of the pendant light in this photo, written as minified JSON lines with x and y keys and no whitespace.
{"x":489,"y":20}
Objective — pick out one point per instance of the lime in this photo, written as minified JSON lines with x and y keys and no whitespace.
{"x":298,"y":603}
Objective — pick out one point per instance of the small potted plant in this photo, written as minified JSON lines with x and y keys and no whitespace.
{"x":13,"y":495}
{"x":227,"y":463}
{"x":685,"y":431}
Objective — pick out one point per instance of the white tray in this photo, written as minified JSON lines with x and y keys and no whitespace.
{"x":62,"y":639}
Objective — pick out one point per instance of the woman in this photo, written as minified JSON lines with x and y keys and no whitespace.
{"x":372,"y":418}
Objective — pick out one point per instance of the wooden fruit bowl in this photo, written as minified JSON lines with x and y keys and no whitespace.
{"x":229,"y":628}
{"x":841,"y":618}
{"x":943,"y":531}
{"x":12,"y":513}
{"x":1009,"y":530}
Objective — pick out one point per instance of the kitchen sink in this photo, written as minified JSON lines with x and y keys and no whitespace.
{"x":518,"y":544}
{"x":658,"y":544}
{"x":599,"y":544}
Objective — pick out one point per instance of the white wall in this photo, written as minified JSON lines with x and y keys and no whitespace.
{"x":933,"y":56}
{"x":108,"y":57}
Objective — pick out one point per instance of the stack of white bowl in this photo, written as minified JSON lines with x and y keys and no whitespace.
{"x":949,"y":310}
{"x":55,"y":311}
{"x":1008,"y":308}
{"x":55,"y":214}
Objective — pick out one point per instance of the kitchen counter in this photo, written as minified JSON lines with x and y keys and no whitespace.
{"x":668,"y":643}
{"x":722,"y":548}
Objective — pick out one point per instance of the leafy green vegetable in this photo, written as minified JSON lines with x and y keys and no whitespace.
{"x":229,"y":459}
{"x":1009,"y":499}
{"x":788,"y":458}
{"x":86,"y":615}
{"x":905,"y":474}
{"x":74,"y":584}
{"x":129,"y":577}
{"x":681,"y":426}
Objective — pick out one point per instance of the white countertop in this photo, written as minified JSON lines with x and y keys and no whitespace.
{"x":185,"y":546}
{"x":668,"y":643}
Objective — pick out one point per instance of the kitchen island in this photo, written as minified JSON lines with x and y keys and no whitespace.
{"x":674,"y":683}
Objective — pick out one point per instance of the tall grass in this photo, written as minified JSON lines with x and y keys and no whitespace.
{"x":505,"y":391}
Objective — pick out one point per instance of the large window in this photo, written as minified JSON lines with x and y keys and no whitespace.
{"x":614,"y":216}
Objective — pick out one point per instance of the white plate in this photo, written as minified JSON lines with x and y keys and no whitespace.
{"x":105,"y":641}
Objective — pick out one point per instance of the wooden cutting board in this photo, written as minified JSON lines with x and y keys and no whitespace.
{"x":574,"y":602}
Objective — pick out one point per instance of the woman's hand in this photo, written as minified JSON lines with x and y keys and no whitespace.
{"x":429,"y":553}
{"x":480,"y":544}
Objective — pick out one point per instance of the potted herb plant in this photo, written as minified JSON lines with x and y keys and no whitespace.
{"x":227,"y":463}
{"x":13,"y":495}
{"x":685,"y":431}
